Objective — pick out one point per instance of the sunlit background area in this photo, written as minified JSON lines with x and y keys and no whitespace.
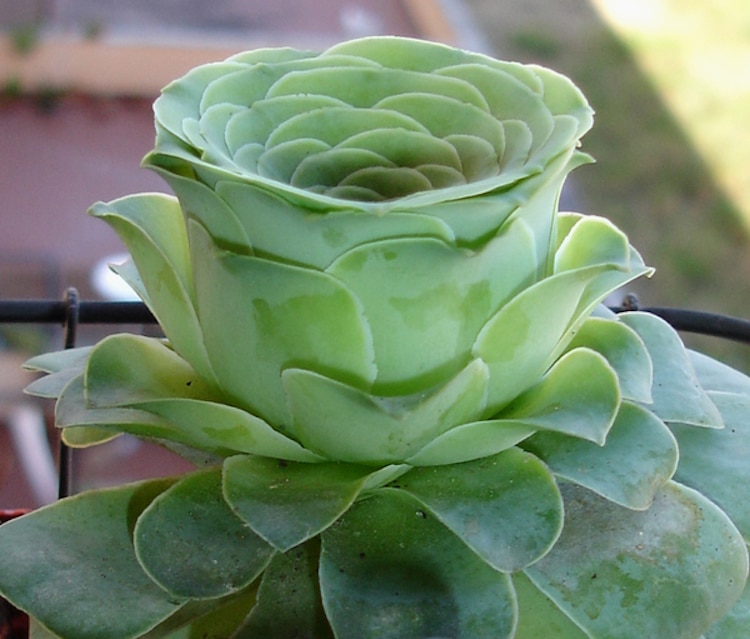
{"x":669,"y":79}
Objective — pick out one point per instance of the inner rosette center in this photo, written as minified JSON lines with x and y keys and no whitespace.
{"x":348,"y":127}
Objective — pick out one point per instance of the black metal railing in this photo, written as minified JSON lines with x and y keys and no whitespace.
{"x":71,"y":312}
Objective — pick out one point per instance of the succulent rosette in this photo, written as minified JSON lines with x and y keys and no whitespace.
{"x":386,"y":352}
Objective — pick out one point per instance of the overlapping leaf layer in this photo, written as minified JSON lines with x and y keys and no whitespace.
{"x":386,"y":350}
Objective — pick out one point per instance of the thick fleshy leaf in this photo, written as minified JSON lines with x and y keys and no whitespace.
{"x":735,"y":623}
{"x":579,"y":396}
{"x":191,"y":543}
{"x":716,"y":462}
{"x":314,"y":238}
{"x":677,"y":394}
{"x":670,"y":571}
{"x":215,"y":426}
{"x":344,"y":423}
{"x":209,"y":426}
{"x":206,"y":204}
{"x":60,"y":366}
{"x":207,"y":619}
{"x":336,"y":124}
{"x":717,"y":376}
{"x":426,"y":322}
{"x":124,"y":369}
{"x":77,"y":557}
{"x":539,"y":617}
{"x":83,"y":426}
{"x":471,"y":441}
{"x":545,"y":314}
{"x":152,"y":227}
{"x":507,"y":508}
{"x":287,"y":503}
{"x":477,"y":211}
{"x":390,"y":570}
{"x":625,"y":352}
{"x":253,"y":125}
{"x":508,"y":97}
{"x":289,"y":603}
{"x":58,"y":361}
{"x":360,"y":87}
{"x":280,"y":316}
{"x":639,"y":456}
{"x":592,"y":240}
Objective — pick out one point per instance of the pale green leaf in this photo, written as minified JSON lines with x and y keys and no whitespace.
{"x":579,"y":396}
{"x":716,"y":462}
{"x":471,"y":441}
{"x":153,"y":229}
{"x":298,"y":235}
{"x":361,"y":87}
{"x":260,"y":317}
{"x":423,"y":325}
{"x":344,"y":423}
{"x":124,"y":369}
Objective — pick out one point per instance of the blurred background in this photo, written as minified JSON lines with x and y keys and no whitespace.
{"x":669,"y":79}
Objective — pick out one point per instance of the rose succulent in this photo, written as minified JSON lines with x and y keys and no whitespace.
{"x":387,"y":348}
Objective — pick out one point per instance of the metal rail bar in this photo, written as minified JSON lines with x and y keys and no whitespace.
{"x":93,"y":312}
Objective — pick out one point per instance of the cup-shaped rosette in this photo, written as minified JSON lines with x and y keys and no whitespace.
{"x":388,"y":347}
{"x":443,"y":141}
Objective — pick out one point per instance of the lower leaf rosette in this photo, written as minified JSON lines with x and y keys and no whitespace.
{"x":386,"y":352}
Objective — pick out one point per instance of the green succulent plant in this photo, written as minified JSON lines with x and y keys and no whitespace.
{"x":386,"y":353}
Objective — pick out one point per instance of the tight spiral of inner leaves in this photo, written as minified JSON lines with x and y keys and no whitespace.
{"x":353,"y":125}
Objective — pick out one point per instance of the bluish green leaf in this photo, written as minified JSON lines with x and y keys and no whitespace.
{"x":539,"y":617}
{"x":678,"y":396}
{"x":207,"y":619}
{"x":625,"y":352}
{"x":73,"y":567}
{"x":639,"y":456}
{"x":287,"y":503}
{"x":716,"y":462}
{"x":717,"y":376}
{"x":289,"y":603}
{"x":507,"y":508}
{"x":735,"y":623}
{"x":670,"y":571}
{"x":390,"y":570}
{"x":193,"y":545}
